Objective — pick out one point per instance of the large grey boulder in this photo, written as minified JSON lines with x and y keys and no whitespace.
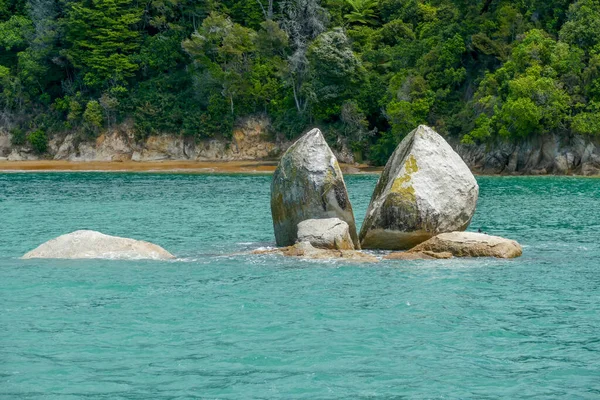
{"x":308,"y":184}
{"x":91,"y":244}
{"x":327,"y":233}
{"x":425,"y":189}
{"x":470,"y":244}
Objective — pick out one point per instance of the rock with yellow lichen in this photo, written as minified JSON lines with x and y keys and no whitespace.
{"x":308,"y":184}
{"x":425,"y":189}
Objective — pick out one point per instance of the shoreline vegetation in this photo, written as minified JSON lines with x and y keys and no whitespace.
{"x":515,"y":84}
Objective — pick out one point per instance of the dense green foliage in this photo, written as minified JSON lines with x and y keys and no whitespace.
{"x":366,"y":71}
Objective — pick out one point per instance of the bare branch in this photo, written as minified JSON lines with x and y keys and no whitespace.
{"x":263,"y":9}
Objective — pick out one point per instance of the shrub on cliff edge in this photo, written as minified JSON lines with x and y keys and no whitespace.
{"x":38,"y":140}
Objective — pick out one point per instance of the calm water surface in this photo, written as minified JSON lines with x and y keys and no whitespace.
{"x":221,"y":326}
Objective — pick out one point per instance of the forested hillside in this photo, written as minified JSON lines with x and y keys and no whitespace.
{"x":366,"y":70}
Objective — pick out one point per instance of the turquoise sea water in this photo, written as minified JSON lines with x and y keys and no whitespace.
{"x":221,"y":326}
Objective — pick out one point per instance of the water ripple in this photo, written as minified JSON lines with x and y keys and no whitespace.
{"x":219,"y":324}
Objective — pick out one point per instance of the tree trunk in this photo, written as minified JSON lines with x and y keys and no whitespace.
{"x":486,"y":6}
{"x":268,"y":13}
{"x":296,"y":99}
{"x":263,"y":9}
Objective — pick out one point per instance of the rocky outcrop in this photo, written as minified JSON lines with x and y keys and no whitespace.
{"x":113,"y":146}
{"x":425,"y":189}
{"x":250,"y":141}
{"x":548,"y":154}
{"x":5,"y":145}
{"x":470,"y":244}
{"x":307,"y":251}
{"x":8,"y":152}
{"x":308,"y":184}
{"x":417,"y":255}
{"x":158,"y":148}
{"x":91,"y":244}
{"x":327,"y":233}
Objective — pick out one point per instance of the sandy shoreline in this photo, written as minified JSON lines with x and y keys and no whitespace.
{"x":199,"y":167}
{"x":182,"y":167}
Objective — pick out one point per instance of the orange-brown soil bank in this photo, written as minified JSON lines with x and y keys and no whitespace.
{"x":227,"y":167}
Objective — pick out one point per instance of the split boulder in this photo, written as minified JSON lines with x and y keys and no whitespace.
{"x":425,"y":189}
{"x":308,"y":184}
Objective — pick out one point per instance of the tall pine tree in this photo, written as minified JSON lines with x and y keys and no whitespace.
{"x":103,"y":40}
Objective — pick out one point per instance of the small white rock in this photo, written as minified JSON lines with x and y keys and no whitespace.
{"x":92,"y":244}
{"x":326,"y":233}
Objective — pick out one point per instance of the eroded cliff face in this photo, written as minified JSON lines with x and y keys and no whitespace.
{"x":550,"y":154}
{"x":5,"y":146}
{"x":249,"y":141}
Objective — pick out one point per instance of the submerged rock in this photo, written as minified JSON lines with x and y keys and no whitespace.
{"x":308,"y":184}
{"x":327,"y":233}
{"x":471,"y":244}
{"x":418,"y":255}
{"x":91,"y":244}
{"x":425,"y":189}
{"x":307,"y":251}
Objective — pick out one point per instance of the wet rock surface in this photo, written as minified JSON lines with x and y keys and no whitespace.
{"x":470,"y":244}
{"x":306,"y":251}
{"x":418,"y":255}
